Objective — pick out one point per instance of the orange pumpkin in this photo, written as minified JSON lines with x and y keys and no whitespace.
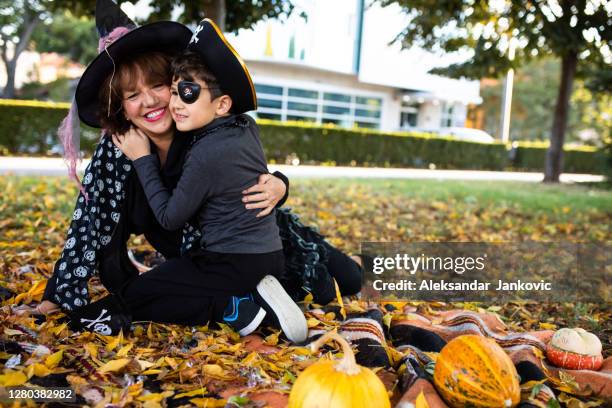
{"x":475,"y":371}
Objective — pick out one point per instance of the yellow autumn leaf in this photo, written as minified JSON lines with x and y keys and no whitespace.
{"x":308,"y":299}
{"x":38,"y":370}
{"x":92,"y":349}
{"x":135,"y":389}
{"x":155,"y":397}
{"x":253,"y":356}
{"x":144,"y":364}
{"x":572,"y":402}
{"x":339,"y":299}
{"x":192,"y":393}
{"x":272,"y":339}
{"x":216,"y":371}
{"x":548,"y":326}
{"x":312,"y":322}
{"x":114,"y":341}
{"x":125,"y":350}
{"x":58,"y":329}
{"x":150,"y":332}
{"x":114,"y":365}
{"x":171,"y":362}
{"x":208,"y":402}
{"x":152,"y":371}
{"x":421,"y":402}
{"x":34,"y":293}
{"x":54,"y":359}
{"x":12,"y":378}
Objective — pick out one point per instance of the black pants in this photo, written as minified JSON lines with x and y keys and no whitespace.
{"x":347,"y":272}
{"x":196,"y":289}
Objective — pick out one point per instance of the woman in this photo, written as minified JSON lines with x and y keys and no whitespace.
{"x":106,"y":215}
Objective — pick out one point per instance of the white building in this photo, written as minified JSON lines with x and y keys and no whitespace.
{"x":310,"y":70}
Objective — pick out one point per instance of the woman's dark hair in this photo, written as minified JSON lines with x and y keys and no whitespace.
{"x":154,"y":67}
{"x":189,"y":65}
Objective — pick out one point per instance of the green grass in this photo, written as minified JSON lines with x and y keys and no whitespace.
{"x":537,"y":197}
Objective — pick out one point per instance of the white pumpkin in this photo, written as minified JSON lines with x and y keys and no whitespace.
{"x":577,"y":341}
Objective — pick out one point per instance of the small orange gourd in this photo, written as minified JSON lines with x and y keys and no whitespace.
{"x":475,"y":371}
{"x":338,"y":383}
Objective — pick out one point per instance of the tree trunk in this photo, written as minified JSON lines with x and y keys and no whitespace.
{"x":554,"y":155}
{"x":9,"y":89}
{"x":215,"y":10}
{"x":11,"y":64}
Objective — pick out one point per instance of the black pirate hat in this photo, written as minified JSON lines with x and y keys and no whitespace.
{"x":120,"y":37}
{"x":224,"y":62}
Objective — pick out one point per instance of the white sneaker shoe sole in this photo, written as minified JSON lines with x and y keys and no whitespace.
{"x":292,"y":320}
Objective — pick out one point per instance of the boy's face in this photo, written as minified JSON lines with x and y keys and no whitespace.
{"x":189,"y":116}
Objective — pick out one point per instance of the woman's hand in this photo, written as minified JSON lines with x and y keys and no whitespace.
{"x":43,"y":308}
{"x":266,"y":194}
{"x":134,"y":144}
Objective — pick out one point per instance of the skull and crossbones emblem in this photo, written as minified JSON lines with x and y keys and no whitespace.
{"x":194,"y":37}
{"x":97,"y":324}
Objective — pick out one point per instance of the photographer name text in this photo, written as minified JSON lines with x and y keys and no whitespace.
{"x":475,"y":285}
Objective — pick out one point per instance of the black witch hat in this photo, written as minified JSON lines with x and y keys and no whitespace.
{"x":119,"y":38}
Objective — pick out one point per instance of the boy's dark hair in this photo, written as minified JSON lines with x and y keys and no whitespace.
{"x":155,"y":69}
{"x":189,"y":66}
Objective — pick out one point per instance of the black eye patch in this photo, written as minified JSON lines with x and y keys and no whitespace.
{"x":189,"y":91}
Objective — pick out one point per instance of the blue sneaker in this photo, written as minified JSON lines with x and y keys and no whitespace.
{"x":243,"y":314}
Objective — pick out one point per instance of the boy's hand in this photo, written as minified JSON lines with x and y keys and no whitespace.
{"x":134,"y":144}
{"x":266,"y":194}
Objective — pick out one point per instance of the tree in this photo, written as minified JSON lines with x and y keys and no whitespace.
{"x":578,"y":32}
{"x":533,"y":105}
{"x":18,"y":19}
{"x":69,"y":35}
{"x":230,"y":15}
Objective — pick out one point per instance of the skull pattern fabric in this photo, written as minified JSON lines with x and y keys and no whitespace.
{"x":93,"y":223}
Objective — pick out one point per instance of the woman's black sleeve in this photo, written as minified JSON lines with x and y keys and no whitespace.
{"x":285,"y":180}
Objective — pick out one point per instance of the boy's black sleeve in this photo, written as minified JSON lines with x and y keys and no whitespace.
{"x":285,"y":180}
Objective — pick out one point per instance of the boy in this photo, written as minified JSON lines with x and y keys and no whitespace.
{"x":210,"y":91}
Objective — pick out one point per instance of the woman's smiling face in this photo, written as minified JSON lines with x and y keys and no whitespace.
{"x":146,"y":106}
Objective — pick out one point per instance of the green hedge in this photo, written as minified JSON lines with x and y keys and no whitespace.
{"x":31,"y":126}
{"x":574,"y":160}
{"x":316,"y":144}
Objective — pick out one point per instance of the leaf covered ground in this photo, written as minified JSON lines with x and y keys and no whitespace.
{"x":178,"y":365}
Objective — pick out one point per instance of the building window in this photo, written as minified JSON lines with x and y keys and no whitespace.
{"x":269,"y":103}
{"x":374,"y":102}
{"x":367,"y":113}
{"x":299,"y":106}
{"x":337,"y":110}
{"x":303,"y":93}
{"x":310,"y":105}
{"x":409,"y":115}
{"x":336,"y":97}
{"x":447,"y":115}
{"x":268,"y":89}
